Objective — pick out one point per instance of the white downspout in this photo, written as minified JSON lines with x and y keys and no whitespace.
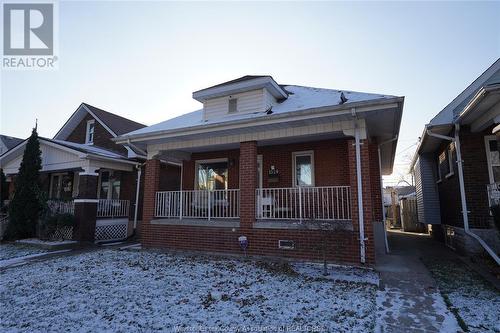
{"x":139,"y":173}
{"x":360,"y":197}
{"x":181,"y":193}
{"x":465,"y":216}
{"x":382,"y":190}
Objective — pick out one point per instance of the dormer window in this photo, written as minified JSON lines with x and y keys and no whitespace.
{"x":89,"y":139}
{"x":233,"y":105}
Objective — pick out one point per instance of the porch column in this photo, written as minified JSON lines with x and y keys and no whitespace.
{"x":151,"y":186}
{"x":86,"y":207}
{"x":366,"y":197}
{"x":248,"y":183}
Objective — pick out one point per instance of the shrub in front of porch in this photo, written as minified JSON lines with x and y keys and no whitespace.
{"x":27,"y":202}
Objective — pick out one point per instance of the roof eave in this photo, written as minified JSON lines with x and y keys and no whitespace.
{"x":289,"y":115}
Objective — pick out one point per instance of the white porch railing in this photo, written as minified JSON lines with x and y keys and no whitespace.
{"x":61,"y":207}
{"x":112,"y":208}
{"x":304,"y":203}
{"x":217,"y":204}
{"x":493,"y":194}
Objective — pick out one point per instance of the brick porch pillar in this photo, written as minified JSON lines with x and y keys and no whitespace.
{"x":367,"y":198}
{"x":86,"y":207}
{"x":248,"y":184}
{"x":151,"y":186}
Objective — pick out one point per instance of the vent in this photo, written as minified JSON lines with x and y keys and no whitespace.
{"x":233,"y":105}
{"x":286,"y":244}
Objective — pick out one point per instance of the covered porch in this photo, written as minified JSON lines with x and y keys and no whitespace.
{"x":97,"y":186}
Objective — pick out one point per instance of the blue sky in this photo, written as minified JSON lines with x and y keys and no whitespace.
{"x":143,"y":60}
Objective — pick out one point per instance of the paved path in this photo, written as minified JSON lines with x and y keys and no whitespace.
{"x":408,"y":299}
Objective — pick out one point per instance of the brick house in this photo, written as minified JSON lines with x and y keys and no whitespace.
{"x":86,"y":173}
{"x":281,"y":165}
{"x":457,"y":167}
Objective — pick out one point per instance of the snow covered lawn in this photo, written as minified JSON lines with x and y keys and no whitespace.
{"x":10,"y":251}
{"x":474,"y":301}
{"x":146,"y":291}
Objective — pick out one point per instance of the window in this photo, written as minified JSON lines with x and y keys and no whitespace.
{"x":233,"y":105}
{"x":61,"y":186}
{"x":109,"y":184}
{"x":90,"y":132}
{"x":439,"y":160}
{"x":493,"y":158}
{"x":211,"y":175}
{"x":303,"y":166}
{"x":450,"y":156}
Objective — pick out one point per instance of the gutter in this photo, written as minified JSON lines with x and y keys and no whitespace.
{"x":465,"y":212}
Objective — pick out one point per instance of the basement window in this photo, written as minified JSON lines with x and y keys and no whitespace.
{"x":286,"y":244}
{"x":233,"y":105}
{"x":89,"y":138}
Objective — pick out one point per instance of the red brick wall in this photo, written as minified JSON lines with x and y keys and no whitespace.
{"x":330,"y":163}
{"x":476,"y":177}
{"x":102,"y":138}
{"x":334,"y":165}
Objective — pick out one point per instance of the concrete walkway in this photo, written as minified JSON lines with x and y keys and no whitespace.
{"x":408,"y":299}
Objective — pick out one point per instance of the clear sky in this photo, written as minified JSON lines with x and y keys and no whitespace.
{"x":143,"y":60}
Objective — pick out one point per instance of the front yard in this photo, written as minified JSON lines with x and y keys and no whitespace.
{"x":111,"y":290}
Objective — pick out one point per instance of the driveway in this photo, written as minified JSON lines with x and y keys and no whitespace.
{"x":426,"y":287}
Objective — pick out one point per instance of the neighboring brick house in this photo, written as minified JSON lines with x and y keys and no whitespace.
{"x":466,"y":126}
{"x":85,"y":172}
{"x":277,"y":164}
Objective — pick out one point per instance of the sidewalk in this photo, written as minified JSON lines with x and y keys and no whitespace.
{"x":408,"y":299}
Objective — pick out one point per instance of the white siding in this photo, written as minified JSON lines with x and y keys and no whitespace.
{"x":269,"y":99}
{"x":248,"y":102}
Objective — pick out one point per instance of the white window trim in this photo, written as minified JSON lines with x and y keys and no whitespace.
{"x":487,"y":140}
{"x":87,"y":141}
{"x":449,"y":156}
{"x":213,"y":160}
{"x":294,"y":176}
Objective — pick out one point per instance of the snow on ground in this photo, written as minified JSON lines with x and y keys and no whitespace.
{"x":474,"y":301}
{"x":338,"y":272}
{"x":146,"y":291}
{"x":10,"y":251}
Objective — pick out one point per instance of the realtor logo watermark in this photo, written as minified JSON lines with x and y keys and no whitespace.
{"x":29,"y":35}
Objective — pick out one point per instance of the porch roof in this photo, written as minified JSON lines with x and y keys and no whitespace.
{"x":64,"y":155}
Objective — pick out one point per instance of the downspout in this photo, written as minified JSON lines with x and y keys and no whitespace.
{"x":382,"y":190}
{"x":465,"y":216}
{"x":360,"y":194}
{"x":137,"y":190}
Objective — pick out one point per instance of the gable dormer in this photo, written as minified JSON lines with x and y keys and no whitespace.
{"x":248,"y":94}
{"x":89,"y":125}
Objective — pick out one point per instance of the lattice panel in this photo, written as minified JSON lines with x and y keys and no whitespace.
{"x":111,"y":232}
{"x":64,"y":233}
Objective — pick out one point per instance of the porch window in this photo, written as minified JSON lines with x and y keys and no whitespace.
{"x":493,"y":158}
{"x":90,"y":132}
{"x":61,"y":186}
{"x":303,"y":166}
{"x":109,"y":184}
{"x":212,"y":175}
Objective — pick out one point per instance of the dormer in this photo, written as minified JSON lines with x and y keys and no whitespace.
{"x":248,"y":94}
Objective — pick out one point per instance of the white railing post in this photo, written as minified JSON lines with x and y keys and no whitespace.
{"x":209,"y":206}
{"x":300,"y":205}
